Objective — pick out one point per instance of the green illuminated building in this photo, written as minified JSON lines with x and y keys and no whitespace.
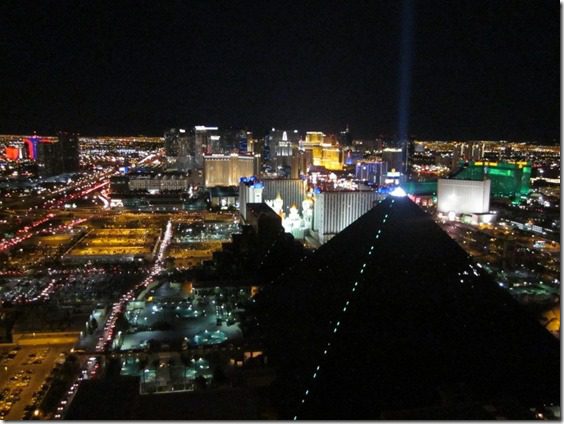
{"x":508,"y":178}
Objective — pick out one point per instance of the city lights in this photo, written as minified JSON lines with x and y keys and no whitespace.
{"x":317,"y":212}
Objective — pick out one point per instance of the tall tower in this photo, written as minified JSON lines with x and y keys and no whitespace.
{"x":200,"y":138}
{"x":49,"y":158}
{"x":176,"y":145}
{"x":345,"y":137}
{"x":31,"y":147}
{"x":172,"y":140}
{"x":69,"y":148}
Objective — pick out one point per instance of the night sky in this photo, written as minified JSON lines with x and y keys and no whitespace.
{"x":481,"y":69}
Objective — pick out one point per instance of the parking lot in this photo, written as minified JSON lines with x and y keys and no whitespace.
{"x":24,"y":374}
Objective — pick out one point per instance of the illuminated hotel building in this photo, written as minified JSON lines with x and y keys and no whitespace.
{"x":314,"y":138}
{"x":371,"y":171}
{"x":200,"y":139}
{"x":280,"y":143}
{"x":331,"y":157}
{"x":312,"y":143}
{"x":250,"y":191}
{"x":227,"y":170}
{"x":175,"y":140}
{"x":463,"y":196}
{"x":49,"y":159}
{"x":394,"y":158}
{"x":325,"y":150}
{"x":333,"y":211}
{"x":185,"y":150}
{"x":31,"y":144}
{"x":13,"y":152}
{"x":507,"y":178}
{"x":291,"y":190}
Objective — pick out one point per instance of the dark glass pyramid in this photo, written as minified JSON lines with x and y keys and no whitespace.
{"x":391,"y":316}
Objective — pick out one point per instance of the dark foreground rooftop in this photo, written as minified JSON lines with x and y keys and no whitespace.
{"x":391,"y":317}
{"x":119,"y":399}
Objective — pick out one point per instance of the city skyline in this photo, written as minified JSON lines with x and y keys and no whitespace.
{"x":280,"y":210}
{"x":480,"y":70}
{"x":261,"y":279}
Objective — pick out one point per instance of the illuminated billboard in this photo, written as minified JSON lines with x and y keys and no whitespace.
{"x":463,"y":196}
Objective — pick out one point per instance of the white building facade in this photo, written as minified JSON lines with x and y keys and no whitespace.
{"x":336,"y":210}
{"x":463,"y":196}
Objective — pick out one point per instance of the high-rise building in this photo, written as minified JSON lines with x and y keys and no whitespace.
{"x":173,"y":140}
{"x":227,"y":170}
{"x":332,"y":158}
{"x":470,"y":151}
{"x":292,"y":191}
{"x":227,"y":141}
{"x":253,"y":144}
{"x":325,"y":150}
{"x":351,"y":157}
{"x":57,"y":155}
{"x":176,"y":148}
{"x":345,"y":137}
{"x":185,"y":149}
{"x":507,"y":178}
{"x":243,"y":142}
{"x":200,"y":139}
{"x":280,"y":143}
{"x":371,"y":171}
{"x":394,"y":158}
{"x":299,"y":163}
{"x":69,"y":146}
{"x":312,"y":144}
{"x":250,"y":191}
{"x":13,"y":152}
{"x":49,"y":158}
{"x":31,"y":147}
{"x":463,"y":196}
{"x":284,"y":146}
{"x":335,"y":210}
